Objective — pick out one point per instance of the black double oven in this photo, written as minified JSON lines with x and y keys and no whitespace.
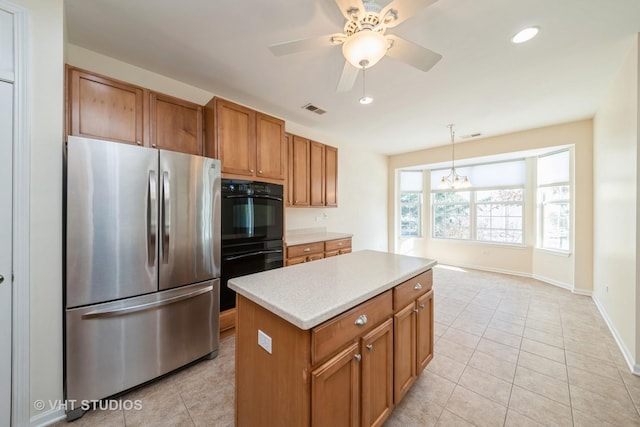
{"x":252,"y":230}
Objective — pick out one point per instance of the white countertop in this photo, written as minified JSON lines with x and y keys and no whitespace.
{"x":311,"y":293}
{"x":304,"y":238}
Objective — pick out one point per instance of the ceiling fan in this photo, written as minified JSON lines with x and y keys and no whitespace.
{"x":364,"y":40}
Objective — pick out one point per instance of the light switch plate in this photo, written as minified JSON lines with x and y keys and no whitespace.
{"x":264,"y":341}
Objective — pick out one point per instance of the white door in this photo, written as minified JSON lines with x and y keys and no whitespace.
{"x":6,"y":144}
{"x":6,"y":207}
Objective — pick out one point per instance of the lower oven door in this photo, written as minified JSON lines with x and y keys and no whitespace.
{"x":240,"y":260}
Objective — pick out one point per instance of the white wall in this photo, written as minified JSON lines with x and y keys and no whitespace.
{"x":45,"y":86}
{"x":616,"y":136}
{"x":572,"y":271}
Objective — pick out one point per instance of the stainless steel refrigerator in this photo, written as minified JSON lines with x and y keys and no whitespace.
{"x":142,"y":272}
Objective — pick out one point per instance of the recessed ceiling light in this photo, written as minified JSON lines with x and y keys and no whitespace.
{"x":366,"y":100}
{"x":525,"y":35}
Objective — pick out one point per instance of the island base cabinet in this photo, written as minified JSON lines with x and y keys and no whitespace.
{"x":377,"y":375}
{"x":404,"y":358}
{"x":424,"y":331}
{"x":335,"y":386}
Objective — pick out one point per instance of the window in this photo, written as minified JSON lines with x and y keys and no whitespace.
{"x":410,"y":203}
{"x":492,"y":211}
{"x":499,"y":215}
{"x":554,"y":201}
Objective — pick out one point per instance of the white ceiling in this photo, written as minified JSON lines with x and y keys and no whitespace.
{"x":484,"y":83}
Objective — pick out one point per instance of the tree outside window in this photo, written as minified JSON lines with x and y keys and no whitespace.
{"x":411,"y":203}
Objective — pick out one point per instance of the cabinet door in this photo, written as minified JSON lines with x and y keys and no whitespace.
{"x":289,"y":166}
{"x":331,"y":176}
{"x":316,"y":173}
{"x":424,"y":331}
{"x":335,"y":390}
{"x":176,"y":125}
{"x":236,"y":137}
{"x":105,"y":109}
{"x":377,"y":375}
{"x":270,"y":147}
{"x":404,"y":355}
{"x":300,"y":166}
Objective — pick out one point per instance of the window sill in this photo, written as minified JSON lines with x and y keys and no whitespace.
{"x":565,"y":254}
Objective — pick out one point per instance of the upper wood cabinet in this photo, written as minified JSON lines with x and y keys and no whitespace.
{"x":175,"y":124}
{"x":249,"y":144}
{"x":312,"y":173}
{"x":331,"y":175}
{"x":300,"y":150}
{"x":316,"y":174}
{"x":104,"y":108}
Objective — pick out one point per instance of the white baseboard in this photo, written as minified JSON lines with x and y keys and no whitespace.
{"x":47,"y":417}
{"x":633,"y":366}
{"x":520,"y":274}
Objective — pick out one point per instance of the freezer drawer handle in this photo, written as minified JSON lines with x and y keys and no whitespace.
{"x":142,"y":307}
{"x":152,"y":218}
{"x":166,"y":217}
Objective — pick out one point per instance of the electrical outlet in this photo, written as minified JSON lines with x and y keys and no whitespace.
{"x":264,"y":341}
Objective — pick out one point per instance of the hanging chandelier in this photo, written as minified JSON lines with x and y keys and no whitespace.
{"x":453,"y":181}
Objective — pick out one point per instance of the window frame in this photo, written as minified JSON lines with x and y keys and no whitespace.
{"x":473,"y":217}
{"x":540,"y":205}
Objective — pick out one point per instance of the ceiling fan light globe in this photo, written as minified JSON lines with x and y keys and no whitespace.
{"x":365,"y":45}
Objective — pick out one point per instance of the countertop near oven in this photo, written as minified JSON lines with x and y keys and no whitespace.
{"x":303,"y":237}
{"x":308,"y":294}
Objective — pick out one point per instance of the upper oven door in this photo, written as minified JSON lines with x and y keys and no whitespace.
{"x":251,"y":217}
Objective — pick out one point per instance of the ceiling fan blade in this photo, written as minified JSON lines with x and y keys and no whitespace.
{"x":348,"y":7}
{"x":348,"y":77}
{"x":400,"y":10}
{"x":416,"y":56}
{"x":296,"y":46}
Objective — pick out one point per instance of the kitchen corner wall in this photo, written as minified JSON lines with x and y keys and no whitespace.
{"x":616,"y":200}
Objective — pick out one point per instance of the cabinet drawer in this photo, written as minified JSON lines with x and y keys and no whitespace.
{"x":411,"y":289}
{"x":339,"y":331}
{"x":303,"y":250}
{"x":333,"y":245}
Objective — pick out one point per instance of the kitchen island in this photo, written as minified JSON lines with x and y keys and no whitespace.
{"x":334,"y":342}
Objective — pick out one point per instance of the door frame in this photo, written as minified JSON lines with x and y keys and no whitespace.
{"x":20,"y":402}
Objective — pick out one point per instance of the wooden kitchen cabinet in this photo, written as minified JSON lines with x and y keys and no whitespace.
{"x":176,"y":124}
{"x":331,"y":176}
{"x":297,"y":254}
{"x":104,"y":108}
{"x":335,"y":390}
{"x":316,"y":174}
{"x":249,"y":144}
{"x":312,"y":173}
{"x":300,"y":152}
{"x":377,"y":375}
{"x":412,"y":331}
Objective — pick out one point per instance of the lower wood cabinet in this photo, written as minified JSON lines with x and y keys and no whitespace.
{"x":298,"y":254}
{"x":412,"y":331}
{"x":351,"y":370}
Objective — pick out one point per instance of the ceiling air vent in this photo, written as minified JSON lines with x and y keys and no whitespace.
{"x":314,"y":109}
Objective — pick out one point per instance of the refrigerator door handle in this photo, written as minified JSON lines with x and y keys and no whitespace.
{"x":152,"y":218}
{"x":166,"y":217}
{"x":143,"y":307}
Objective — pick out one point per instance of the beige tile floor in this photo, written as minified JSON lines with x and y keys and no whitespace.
{"x":509,"y":351}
